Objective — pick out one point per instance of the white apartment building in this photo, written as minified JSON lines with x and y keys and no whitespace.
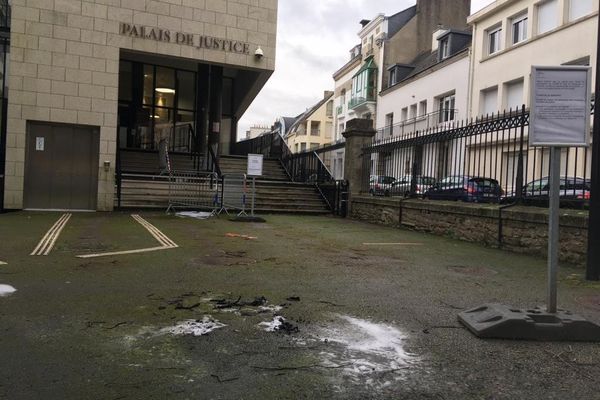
{"x":509,"y":36}
{"x":430,"y":91}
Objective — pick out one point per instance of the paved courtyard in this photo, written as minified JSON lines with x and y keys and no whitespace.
{"x":297,"y":308}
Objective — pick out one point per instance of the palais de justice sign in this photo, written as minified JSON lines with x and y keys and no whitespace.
{"x":188,"y":39}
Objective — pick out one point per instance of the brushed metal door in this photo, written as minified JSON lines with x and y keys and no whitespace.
{"x":61,"y":167}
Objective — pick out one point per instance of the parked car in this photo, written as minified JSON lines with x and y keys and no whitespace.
{"x":572,"y":189}
{"x":380,"y":185}
{"x":402,"y":187}
{"x":466,"y":188}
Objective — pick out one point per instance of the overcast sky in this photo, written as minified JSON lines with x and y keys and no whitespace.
{"x":314,"y":40}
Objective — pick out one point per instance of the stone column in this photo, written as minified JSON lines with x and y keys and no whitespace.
{"x":359,"y":133}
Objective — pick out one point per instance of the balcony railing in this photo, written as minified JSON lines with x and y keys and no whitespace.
{"x":427,"y":121}
{"x":340,"y":110}
{"x":358,"y":101}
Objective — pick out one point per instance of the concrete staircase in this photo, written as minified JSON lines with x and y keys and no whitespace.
{"x":147,"y":162}
{"x":275,"y":193}
{"x":143,"y":187}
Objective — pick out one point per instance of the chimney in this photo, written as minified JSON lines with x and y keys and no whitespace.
{"x":365,"y":22}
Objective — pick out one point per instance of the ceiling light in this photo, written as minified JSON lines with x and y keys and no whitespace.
{"x":165,"y":90}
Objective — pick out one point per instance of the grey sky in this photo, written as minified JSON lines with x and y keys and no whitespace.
{"x":314,"y":39}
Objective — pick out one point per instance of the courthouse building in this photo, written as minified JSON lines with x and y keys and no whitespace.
{"x":89,"y":83}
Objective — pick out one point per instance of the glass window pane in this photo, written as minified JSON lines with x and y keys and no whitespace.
{"x":187,"y":90}
{"x":142,"y":134}
{"x":579,"y":8}
{"x":163,"y":123}
{"x":547,"y":16}
{"x":165,"y":87}
{"x":125,"y":81}
{"x":148,"y":84}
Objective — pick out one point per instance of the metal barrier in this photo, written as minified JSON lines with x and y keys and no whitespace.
{"x":193,"y":190}
{"x":234,"y":193}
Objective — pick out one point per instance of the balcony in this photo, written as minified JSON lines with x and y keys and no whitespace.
{"x":432,"y":120}
{"x":363,"y":104}
{"x":340,"y":110}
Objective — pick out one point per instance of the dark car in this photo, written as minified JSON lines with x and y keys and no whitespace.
{"x":573,"y":190}
{"x":402,"y":187}
{"x":466,"y":188}
{"x":380,"y":185}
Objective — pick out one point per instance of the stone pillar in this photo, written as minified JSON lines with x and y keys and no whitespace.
{"x":359,"y":133}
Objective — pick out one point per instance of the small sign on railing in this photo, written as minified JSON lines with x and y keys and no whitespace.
{"x":255,"y":164}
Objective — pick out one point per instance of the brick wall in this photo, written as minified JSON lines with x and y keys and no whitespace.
{"x":524,"y":229}
{"x":64,"y":63}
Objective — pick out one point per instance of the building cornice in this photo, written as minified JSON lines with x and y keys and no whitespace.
{"x":491,"y":9}
{"x":346,"y":68}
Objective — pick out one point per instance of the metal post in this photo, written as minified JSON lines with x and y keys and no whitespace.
{"x":253,"y":195}
{"x":553,"y":228}
{"x":593,"y":256}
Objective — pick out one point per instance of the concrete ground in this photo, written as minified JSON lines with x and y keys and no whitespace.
{"x":374,"y":321}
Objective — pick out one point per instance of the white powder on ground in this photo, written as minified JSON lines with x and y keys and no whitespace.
{"x":6,"y":290}
{"x":193,"y":327}
{"x":367,"y":353}
{"x":195,"y":215}
{"x":272,"y":326}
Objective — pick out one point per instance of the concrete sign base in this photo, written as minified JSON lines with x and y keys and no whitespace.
{"x":497,"y":321}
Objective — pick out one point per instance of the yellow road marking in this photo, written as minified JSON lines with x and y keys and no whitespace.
{"x":163,"y":239}
{"x":49,"y":240}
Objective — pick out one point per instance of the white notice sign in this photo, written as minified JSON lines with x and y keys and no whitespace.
{"x":39,"y":144}
{"x":560,"y":106}
{"x":255,"y":164}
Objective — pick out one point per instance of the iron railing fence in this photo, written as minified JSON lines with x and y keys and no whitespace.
{"x":481,"y":160}
{"x":436,"y":119}
{"x":335,"y":194}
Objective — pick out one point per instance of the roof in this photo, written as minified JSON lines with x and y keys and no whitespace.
{"x":303,"y":117}
{"x":426,"y":61}
{"x":369,"y":64}
{"x":398,"y":20}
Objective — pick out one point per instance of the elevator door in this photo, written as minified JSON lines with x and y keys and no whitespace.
{"x":61,"y":167}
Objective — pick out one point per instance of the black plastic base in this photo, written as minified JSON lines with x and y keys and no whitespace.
{"x":498,"y":321}
{"x":246,"y":218}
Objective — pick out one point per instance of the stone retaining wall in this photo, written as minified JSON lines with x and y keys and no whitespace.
{"x":519,"y":229}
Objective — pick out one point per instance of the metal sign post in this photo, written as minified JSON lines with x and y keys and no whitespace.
{"x":553,"y":229}
{"x":255,"y":168}
{"x":560,"y":117}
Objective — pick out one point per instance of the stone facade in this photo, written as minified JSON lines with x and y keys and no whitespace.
{"x":64,"y":63}
{"x":524,"y":229}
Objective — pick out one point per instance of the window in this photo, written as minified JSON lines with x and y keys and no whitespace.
{"x":393,"y":77}
{"x":514,"y":95}
{"x":423,"y":108}
{"x":302,"y":146}
{"x":314,"y":146}
{"x":296,"y":148}
{"x":445,"y":48}
{"x":547,"y":16}
{"x":494,"y":40}
{"x":404,"y":114}
{"x":519,"y":28}
{"x":389,"y":124}
{"x":579,"y":8}
{"x":413,"y":112}
{"x":489,"y":101}
{"x":315,"y":128}
{"x":446,"y":108}
{"x":343,"y":99}
{"x":329,"y":108}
